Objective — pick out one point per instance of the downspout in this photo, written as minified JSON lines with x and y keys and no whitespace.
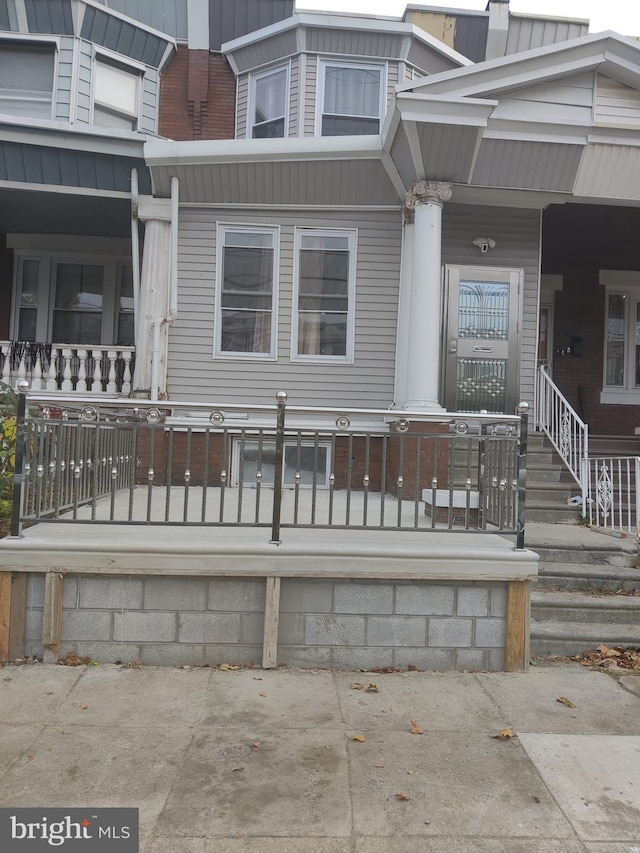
{"x":172,"y":296}
{"x":135,"y":246}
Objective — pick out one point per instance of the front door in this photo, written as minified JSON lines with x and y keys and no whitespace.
{"x":481,"y":362}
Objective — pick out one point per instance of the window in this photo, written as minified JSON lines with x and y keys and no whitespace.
{"x":269,"y":104}
{"x":115,"y":96}
{"x":246,"y":311}
{"x":26,"y":79}
{"x":73,"y":300}
{"x":324,"y":295}
{"x":352,"y":102}
{"x":621,"y":371}
{"x":309,"y":460}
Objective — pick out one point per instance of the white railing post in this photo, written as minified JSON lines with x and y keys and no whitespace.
{"x":636,"y":496}
{"x":52,"y":374}
{"x":82,"y":370}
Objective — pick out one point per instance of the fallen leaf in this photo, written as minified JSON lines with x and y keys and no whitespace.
{"x":379,"y":766}
{"x":83,"y":707}
{"x":403,"y":797}
{"x":262,"y":693}
{"x":357,"y":686}
{"x":536,"y":799}
{"x":256,"y":744}
{"x":372,"y":688}
{"x":237,"y":769}
{"x":505,"y":734}
{"x":31,"y":757}
{"x":412,"y":668}
{"x":225,"y":667}
{"x":415,"y":728}
{"x":358,"y":738}
{"x":564,"y":701}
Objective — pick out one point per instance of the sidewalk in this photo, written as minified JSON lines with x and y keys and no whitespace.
{"x":257,"y":761}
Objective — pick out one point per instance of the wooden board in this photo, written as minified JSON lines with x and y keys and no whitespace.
{"x":5,"y":614}
{"x":271,"y":620}
{"x":18,"y":627}
{"x":516,"y":647}
{"x":52,"y":616}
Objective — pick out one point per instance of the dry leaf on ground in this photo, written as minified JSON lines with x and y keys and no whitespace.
{"x":505,"y":734}
{"x":372,"y":688}
{"x":564,"y":701}
{"x":358,"y":738}
{"x":415,"y":728}
{"x":617,"y":658}
{"x":403,"y":797}
{"x":357,"y":686}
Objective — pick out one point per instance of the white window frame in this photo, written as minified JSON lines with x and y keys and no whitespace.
{"x":371,"y":66}
{"x":352,"y":236}
{"x":253,"y":80}
{"x":48,"y":263}
{"x":19,"y":39}
{"x":235,"y":461}
{"x":628,"y":393}
{"x":243,"y":227}
{"x":135,"y":69}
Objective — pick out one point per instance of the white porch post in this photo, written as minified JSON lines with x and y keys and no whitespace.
{"x":153,"y":304}
{"x":419,"y":328}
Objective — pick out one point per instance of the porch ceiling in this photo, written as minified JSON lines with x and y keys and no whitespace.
{"x":35,"y":212}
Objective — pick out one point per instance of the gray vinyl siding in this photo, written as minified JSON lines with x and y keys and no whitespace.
{"x":5,"y":21}
{"x":311,"y":85}
{"x":53,"y":17}
{"x":123,"y":37}
{"x":471,"y":36}
{"x":616,"y":104}
{"x":167,"y":16}
{"x":195,"y":375}
{"x":528,"y":33}
{"x":517,"y":236}
{"x":149,"y":113}
{"x":393,"y":78}
{"x":429,"y":60}
{"x":294,"y":95}
{"x":64,"y":81}
{"x":266,"y":51}
{"x":230,"y":19}
{"x":242,"y":106}
{"x":84,"y":83}
{"x":562,"y":101}
{"x":353,"y":43}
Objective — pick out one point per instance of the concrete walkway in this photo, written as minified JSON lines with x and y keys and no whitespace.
{"x":259,"y":761}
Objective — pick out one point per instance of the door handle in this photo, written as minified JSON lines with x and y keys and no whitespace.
{"x":453,"y":346}
{"x":483,"y":349}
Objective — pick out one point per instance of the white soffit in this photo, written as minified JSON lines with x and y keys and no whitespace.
{"x":609,"y":171}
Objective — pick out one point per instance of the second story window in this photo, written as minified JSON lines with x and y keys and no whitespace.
{"x":269,"y":104}
{"x":351,"y":99}
{"x":26,"y":79}
{"x":115,"y":96}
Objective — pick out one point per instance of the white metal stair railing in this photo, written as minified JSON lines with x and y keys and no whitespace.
{"x":564,"y":428}
{"x":612,"y":496}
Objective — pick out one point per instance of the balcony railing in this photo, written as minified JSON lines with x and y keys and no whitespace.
{"x":613,"y":501}
{"x":109,"y":461}
{"x":68,"y":367}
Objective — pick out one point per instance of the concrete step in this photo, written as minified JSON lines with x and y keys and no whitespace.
{"x":587,"y":576}
{"x":545,"y":513}
{"x":575,"y":638}
{"x":590,"y":554}
{"x":549,"y":606}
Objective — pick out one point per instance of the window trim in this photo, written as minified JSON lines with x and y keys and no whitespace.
{"x":36,"y":39}
{"x":326,"y":62}
{"x":253,"y":79}
{"x":352,"y":236}
{"x":127,"y":65}
{"x":48,"y":263}
{"x":251,"y":228}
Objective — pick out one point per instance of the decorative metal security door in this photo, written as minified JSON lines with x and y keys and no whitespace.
{"x":482,"y":353}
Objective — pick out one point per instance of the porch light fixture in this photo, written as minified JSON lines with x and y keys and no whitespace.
{"x":484,"y":244}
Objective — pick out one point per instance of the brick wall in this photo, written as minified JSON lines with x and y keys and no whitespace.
{"x":432,"y":625}
{"x":197,"y":97}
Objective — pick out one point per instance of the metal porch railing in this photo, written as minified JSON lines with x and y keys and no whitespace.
{"x":115,"y":461}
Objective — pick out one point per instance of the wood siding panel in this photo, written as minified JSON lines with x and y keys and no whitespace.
{"x":84,"y":83}
{"x":517,"y":236}
{"x":195,"y":375}
{"x":616,"y":104}
{"x":242,"y":108}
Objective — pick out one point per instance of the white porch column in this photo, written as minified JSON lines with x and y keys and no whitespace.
{"x":153,"y":304}
{"x":420,"y":326}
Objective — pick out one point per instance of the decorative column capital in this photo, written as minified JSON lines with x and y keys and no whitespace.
{"x":428,"y":192}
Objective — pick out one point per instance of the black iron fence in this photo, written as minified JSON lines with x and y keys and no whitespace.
{"x":115,"y":461}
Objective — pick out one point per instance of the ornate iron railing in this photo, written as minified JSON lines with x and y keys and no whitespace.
{"x":113,"y":461}
{"x":612,"y":494}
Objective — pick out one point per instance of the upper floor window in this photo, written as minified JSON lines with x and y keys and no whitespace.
{"x":26,"y":79}
{"x":269,"y":97}
{"x":115,"y":95}
{"x":324,"y":294}
{"x":246,"y":292}
{"x":351,"y":99}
